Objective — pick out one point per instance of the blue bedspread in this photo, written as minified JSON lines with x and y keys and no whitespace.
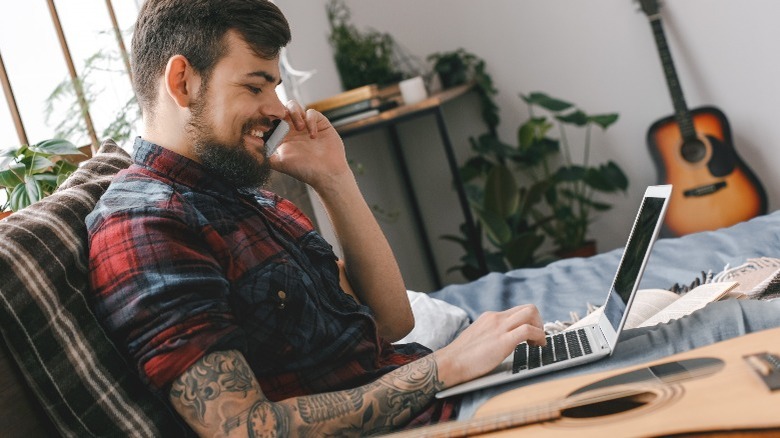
{"x":567,"y":285}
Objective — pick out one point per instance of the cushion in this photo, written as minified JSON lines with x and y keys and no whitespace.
{"x":436,"y":323}
{"x":80,"y":378}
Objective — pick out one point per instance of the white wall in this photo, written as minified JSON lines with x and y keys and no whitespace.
{"x":599,"y":54}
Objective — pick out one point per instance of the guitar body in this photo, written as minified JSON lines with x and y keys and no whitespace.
{"x":732,"y":398}
{"x":713,"y":186}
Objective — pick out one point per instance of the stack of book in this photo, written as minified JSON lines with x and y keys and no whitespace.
{"x":357,"y":104}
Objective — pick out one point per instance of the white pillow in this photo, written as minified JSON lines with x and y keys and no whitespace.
{"x":436,"y":322}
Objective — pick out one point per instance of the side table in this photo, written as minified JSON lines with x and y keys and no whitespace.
{"x":389,"y":120}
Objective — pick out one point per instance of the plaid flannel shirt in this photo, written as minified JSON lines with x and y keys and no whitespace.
{"x":182,"y":264}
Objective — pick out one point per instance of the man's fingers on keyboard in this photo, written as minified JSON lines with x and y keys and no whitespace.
{"x":525,"y":314}
{"x":530,"y":333}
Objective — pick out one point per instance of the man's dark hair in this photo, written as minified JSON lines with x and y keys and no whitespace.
{"x":196,"y":29}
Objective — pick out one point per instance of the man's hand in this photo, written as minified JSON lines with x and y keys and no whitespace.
{"x":487,"y":342}
{"x":312,"y":151}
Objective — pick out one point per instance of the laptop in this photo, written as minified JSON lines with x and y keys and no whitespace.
{"x":591,"y":342}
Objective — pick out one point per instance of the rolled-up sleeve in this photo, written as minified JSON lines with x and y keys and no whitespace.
{"x":158,"y":289}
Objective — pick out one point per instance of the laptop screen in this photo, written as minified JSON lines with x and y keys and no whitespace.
{"x":636,"y":250}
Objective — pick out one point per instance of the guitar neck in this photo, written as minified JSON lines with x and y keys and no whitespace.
{"x":681,"y":113}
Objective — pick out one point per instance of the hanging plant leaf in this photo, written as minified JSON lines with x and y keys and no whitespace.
{"x":56,"y":147}
{"x":604,"y":120}
{"x":599,"y":206}
{"x":502,"y":196}
{"x":526,"y":135}
{"x":474,"y":168}
{"x":577,"y":118}
{"x":11,"y":177}
{"x":495,"y":227}
{"x":19,"y":197}
{"x":34,"y":189}
{"x":571,"y":173}
{"x":606,"y":178}
{"x":7,"y":156}
{"x":612,"y":172}
{"x":48,"y":181}
{"x":595,"y":179}
{"x":520,"y":251}
{"x":546,"y":102}
{"x":37,"y":163}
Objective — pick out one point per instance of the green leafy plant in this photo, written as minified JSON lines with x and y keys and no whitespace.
{"x":572,"y":187}
{"x":30,"y":173}
{"x":525,"y":193}
{"x":362,"y":57}
{"x":459,"y":67}
{"x":505,"y":194}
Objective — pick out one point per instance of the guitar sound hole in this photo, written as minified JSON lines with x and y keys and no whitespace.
{"x":693,"y":151}
{"x":609,"y":407}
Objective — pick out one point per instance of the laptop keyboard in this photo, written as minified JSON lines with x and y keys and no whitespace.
{"x":560,"y":347}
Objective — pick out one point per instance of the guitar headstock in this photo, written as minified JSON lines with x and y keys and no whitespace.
{"x":649,"y":7}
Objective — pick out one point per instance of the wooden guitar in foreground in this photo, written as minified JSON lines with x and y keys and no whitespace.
{"x":693,"y":150}
{"x":718,"y":390}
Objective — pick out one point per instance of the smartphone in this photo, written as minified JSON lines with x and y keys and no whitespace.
{"x":277,"y":133}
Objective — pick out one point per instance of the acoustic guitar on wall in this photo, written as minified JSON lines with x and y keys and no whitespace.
{"x":693,"y":150}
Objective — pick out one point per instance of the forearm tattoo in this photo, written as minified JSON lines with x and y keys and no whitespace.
{"x":384,"y":405}
{"x":209,"y":378}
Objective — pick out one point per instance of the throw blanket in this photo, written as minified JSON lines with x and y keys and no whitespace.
{"x":758,"y":278}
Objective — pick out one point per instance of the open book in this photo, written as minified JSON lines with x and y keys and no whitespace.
{"x":656,"y":306}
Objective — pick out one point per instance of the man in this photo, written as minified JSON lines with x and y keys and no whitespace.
{"x":224,"y":297}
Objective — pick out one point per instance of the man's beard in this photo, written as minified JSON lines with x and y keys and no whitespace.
{"x":234,"y":163}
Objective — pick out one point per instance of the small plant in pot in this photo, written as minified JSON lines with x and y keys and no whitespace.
{"x":459,"y":67}
{"x":30,"y":173}
{"x":362,"y":57}
{"x":572,"y":194}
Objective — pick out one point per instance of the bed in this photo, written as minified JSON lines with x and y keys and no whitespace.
{"x":568,"y":285}
{"x":80,"y":385}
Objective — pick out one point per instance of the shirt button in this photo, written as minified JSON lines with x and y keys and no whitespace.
{"x":281,"y":294}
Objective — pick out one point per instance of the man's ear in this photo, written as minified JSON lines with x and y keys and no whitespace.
{"x":181,"y":81}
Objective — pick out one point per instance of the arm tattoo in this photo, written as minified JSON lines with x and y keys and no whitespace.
{"x":223,"y":379}
{"x":324,"y":407}
{"x":268,"y":420}
{"x":214,"y":374}
{"x":405,"y":393}
{"x":381,"y":406}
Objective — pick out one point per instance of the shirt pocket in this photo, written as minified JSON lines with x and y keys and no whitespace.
{"x":320,"y":254}
{"x":283,"y":320}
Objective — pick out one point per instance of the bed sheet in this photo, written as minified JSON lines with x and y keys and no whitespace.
{"x":569,"y":285}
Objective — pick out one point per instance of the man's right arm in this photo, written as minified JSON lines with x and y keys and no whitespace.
{"x":220,"y":396}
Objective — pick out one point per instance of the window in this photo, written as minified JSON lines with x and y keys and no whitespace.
{"x":38,"y":72}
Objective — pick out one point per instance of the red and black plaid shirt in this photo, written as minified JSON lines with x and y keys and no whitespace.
{"x":183,"y":264}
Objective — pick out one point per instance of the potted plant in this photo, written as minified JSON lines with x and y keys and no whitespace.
{"x":362,"y":58}
{"x":525,"y":193}
{"x":459,"y":67}
{"x":573,"y":186}
{"x":30,"y":173}
{"x":507,"y":208}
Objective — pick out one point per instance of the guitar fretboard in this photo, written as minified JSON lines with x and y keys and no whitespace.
{"x":682,"y":115}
